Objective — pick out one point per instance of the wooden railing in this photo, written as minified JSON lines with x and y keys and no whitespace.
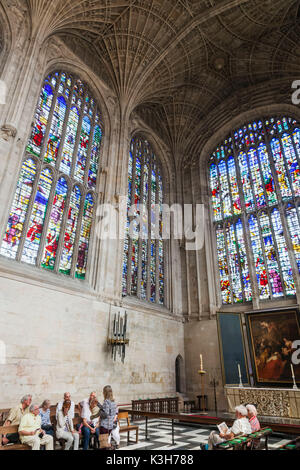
{"x":156,"y":405}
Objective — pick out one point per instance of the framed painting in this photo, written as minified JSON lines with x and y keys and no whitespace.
{"x":272,"y":335}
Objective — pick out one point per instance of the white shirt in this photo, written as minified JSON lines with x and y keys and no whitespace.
{"x":71,"y":411}
{"x":241,"y":426}
{"x":86,"y":412}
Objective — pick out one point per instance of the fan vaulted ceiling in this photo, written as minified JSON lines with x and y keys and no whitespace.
{"x":175,"y":62}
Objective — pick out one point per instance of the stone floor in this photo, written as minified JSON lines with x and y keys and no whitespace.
{"x":186,"y":437}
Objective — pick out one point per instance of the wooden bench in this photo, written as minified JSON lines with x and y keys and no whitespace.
{"x":11,"y":430}
{"x":124,"y":415}
{"x":3,"y":416}
{"x":248,"y":442}
{"x":292,"y":445}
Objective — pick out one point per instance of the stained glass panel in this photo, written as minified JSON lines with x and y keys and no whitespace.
{"x":70,"y":233}
{"x":267,"y":174}
{"x":14,"y":230}
{"x":263,"y":161}
{"x":246,"y":182}
{"x":69,"y":145}
{"x":66,"y":135}
{"x":55,"y":130}
{"x":223,"y":267}
{"x":83,"y":149}
{"x":256,"y":178}
{"x":294,"y":228}
{"x":233,"y":259}
{"x":54,"y":228}
{"x":236,"y":200}
{"x":145,"y":192}
{"x":225,"y":194}
{"x":36,"y":223}
{"x":41,"y":120}
{"x":283,"y":180}
{"x":243,"y":261}
{"x":215,"y":191}
{"x":94,"y":166}
{"x":271,"y":256}
{"x":284,"y":260}
{"x":258,"y":255}
{"x":292,"y":162}
{"x":85,"y":237}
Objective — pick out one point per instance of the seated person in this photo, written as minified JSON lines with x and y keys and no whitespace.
{"x":252,"y":415}
{"x":67,"y":397}
{"x":65,"y":427}
{"x":30,"y":430}
{"x":254,"y":423}
{"x":45,"y":417}
{"x":89,"y":426}
{"x":241,"y":426}
{"x":14,"y":419}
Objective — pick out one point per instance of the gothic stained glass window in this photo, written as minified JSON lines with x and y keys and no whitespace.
{"x":144,"y":250}
{"x":255,"y":192}
{"x":52,"y":213}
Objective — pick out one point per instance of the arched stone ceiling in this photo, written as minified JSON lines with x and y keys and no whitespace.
{"x":175,"y":62}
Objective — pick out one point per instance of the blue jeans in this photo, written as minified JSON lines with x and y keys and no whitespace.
{"x":86,"y":434}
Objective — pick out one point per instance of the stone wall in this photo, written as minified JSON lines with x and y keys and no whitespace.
{"x":56,"y":342}
{"x":202,"y":338}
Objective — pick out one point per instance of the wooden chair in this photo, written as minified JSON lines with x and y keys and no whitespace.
{"x":124,"y":415}
{"x":3,"y":416}
{"x":11,"y":430}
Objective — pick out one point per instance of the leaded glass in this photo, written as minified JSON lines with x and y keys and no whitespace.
{"x":41,"y":120}
{"x":215,"y":192}
{"x":19,"y":210}
{"x":234,"y":265}
{"x":50,"y":223}
{"x":54,"y":227}
{"x":85,"y":237}
{"x":223,"y":267}
{"x":70,"y":233}
{"x":294,"y":228}
{"x":70,"y":140}
{"x":259,"y":261}
{"x":251,"y":183}
{"x":55,"y":130}
{"x":36,"y":224}
{"x":143,"y":264}
{"x":284,"y":260}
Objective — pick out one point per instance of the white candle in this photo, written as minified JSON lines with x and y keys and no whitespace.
{"x":201,"y":362}
{"x":240,"y":375}
{"x":293,"y":373}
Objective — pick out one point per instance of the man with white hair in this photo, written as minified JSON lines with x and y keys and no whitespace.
{"x":30,"y":430}
{"x":241,"y":426}
{"x":252,"y":415}
{"x":14,"y":419}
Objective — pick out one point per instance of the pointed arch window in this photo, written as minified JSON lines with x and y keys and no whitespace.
{"x":144,"y":251}
{"x":254,"y":178}
{"x":51,"y":217}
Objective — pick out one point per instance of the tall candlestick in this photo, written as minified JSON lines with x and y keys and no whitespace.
{"x":293,"y":373}
{"x":240,"y":376}
{"x":294,"y":379}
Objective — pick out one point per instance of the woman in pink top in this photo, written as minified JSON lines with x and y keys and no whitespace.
{"x":252,"y":416}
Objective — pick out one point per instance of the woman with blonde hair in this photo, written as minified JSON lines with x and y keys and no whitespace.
{"x":111,"y":410}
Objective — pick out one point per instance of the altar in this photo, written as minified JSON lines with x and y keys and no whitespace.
{"x":276,"y":402}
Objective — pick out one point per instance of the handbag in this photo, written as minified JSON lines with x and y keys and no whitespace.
{"x":103,"y":441}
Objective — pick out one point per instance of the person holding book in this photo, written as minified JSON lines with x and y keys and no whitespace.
{"x":241,"y":427}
